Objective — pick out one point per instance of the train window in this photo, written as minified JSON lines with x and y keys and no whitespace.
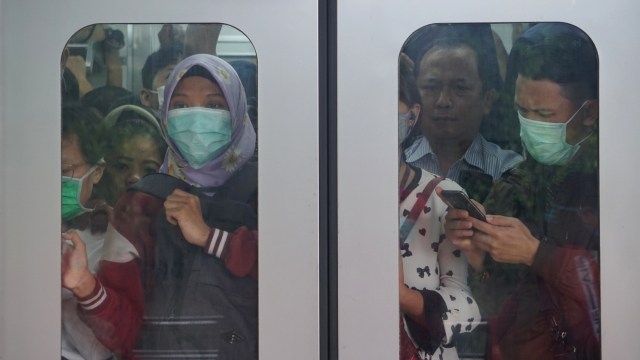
{"x":159,"y":192}
{"x":499,"y":197}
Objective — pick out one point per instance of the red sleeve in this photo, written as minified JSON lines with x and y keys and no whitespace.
{"x":573,"y":279}
{"x":114,"y":308}
{"x":239,"y":250}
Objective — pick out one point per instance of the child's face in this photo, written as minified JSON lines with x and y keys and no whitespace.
{"x":137,"y":157}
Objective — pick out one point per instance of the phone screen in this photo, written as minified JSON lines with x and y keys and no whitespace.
{"x":459,"y":200}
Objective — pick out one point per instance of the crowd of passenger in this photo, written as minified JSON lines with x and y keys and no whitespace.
{"x":159,"y":204}
{"x":159,"y":198}
{"x":530,"y":235}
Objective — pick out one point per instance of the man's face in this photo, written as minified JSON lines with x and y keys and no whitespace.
{"x":150,"y":98}
{"x":452,"y":95}
{"x":162,"y":76}
{"x":543,"y":100}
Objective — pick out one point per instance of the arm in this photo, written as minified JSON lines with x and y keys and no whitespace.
{"x":238,"y":250}
{"x":572,"y":278}
{"x":115,"y":304}
{"x":436,"y":315}
{"x":111,"y":305}
{"x":76,"y":64}
{"x":114,"y":308}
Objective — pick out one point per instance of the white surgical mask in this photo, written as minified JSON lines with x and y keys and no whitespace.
{"x":547,"y":142}
{"x":406,"y":122}
{"x":160,"y":93}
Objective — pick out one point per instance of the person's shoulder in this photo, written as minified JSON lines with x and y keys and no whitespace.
{"x":505,"y":154}
{"x":505,"y":158}
{"x":446,"y":183}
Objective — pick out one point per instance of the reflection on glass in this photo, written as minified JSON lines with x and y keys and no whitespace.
{"x":509,"y":112}
{"x":159,"y":165}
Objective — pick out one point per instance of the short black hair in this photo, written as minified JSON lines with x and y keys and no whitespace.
{"x":106,"y":98}
{"x":407,"y":88}
{"x":408,"y":93}
{"x":167,"y":55}
{"x":88,"y":125}
{"x":561,"y":53}
{"x":479,"y":37}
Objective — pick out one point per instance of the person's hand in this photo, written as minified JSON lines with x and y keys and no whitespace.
{"x":76,"y":275}
{"x":76,"y":64}
{"x":506,"y":239}
{"x":170,"y":34}
{"x":183,"y":209}
{"x":459,"y":230}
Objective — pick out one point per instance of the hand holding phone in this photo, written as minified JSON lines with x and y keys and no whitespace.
{"x":459,"y":200}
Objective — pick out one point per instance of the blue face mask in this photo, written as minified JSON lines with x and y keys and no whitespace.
{"x":547,"y":142}
{"x":199,"y":133}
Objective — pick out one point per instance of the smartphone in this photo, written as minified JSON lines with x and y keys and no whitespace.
{"x":459,"y":200}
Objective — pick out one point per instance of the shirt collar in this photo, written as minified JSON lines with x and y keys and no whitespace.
{"x":473,"y":156}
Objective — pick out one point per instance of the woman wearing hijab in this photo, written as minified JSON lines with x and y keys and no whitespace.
{"x":174,"y":279}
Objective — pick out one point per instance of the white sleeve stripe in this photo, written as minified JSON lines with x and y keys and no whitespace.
{"x":98,"y":303}
{"x":212,"y":243}
{"x":98,"y":294}
{"x":216,"y":241}
{"x":95,"y":301}
{"x":223,"y":242}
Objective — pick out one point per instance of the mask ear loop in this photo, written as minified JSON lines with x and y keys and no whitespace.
{"x":576,"y":113}
{"x":572,"y":117}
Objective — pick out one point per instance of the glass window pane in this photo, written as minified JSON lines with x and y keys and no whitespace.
{"x":501,"y":258}
{"x":159,"y":192}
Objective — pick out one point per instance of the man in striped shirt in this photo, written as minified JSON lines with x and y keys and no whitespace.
{"x":457,"y":77}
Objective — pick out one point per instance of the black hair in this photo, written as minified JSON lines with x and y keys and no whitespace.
{"x":247,"y":72}
{"x":167,"y":55}
{"x":479,"y":37}
{"x":106,"y":98}
{"x":408,"y":93}
{"x":197,"y":70}
{"x":69,"y":86}
{"x":558,"y":52}
{"x":88,"y":125}
{"x":407,"y":88}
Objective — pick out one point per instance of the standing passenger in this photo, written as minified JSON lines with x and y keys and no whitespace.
{"x":458,"y":79}
{"x":82,"y":169}
{"x":174,"y":282}
{"x":435,"y":301}
{"x":541,"y":252}
{"x":156,"y":71}
{"x":135,"y":148}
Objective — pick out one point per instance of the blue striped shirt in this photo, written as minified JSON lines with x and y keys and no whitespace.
{"x":481,"y":155}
